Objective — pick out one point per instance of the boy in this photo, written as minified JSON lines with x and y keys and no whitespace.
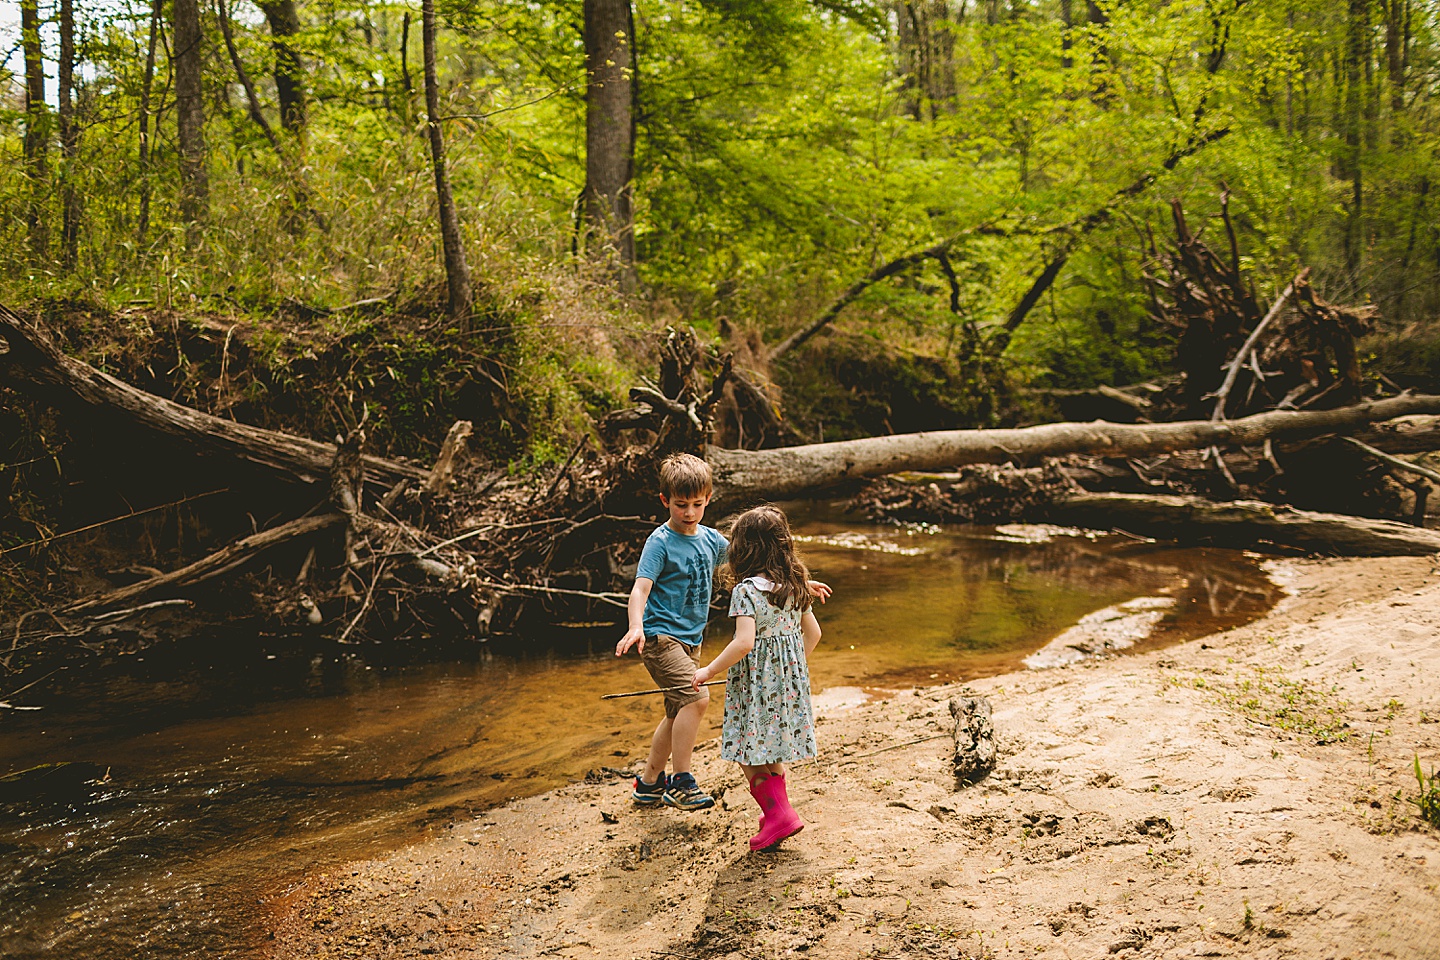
{"x":669,"y":606}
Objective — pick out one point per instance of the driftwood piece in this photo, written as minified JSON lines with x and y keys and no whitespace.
{"x":1244,"y":523}
{"x":974,"y":738}
{"x":220,"y":562}
{"x":28,"y":359}
{"x":792,"y":471}
{"x":347,"y":488}
{"x":455,"y":447}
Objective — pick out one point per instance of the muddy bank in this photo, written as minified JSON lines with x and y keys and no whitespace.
{"x":1244,"y":795}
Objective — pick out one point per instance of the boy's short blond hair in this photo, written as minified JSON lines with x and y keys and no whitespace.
{"x":684,"y":475}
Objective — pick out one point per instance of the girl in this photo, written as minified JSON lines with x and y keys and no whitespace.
{"x":768,"y":718}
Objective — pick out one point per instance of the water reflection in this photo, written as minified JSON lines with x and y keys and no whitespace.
{"x":230,"y":775}
{"x":960,"y":605}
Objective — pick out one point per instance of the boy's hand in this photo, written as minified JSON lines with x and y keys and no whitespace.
{"x":821,"y":591}
{"x":702,"y":676}
{"x":632,"y":638}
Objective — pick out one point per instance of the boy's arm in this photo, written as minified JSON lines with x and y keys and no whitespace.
{"x":735,"y":651}
{"x":821,"y":591}
{"x":639,"y":594}
{"x":810,"y":631}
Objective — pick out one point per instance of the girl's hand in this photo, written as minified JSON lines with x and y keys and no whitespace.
{"x":821,"y":591}
{"x":702,"y":676}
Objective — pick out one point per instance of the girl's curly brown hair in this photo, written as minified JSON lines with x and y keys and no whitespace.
{"x":761,"y":545}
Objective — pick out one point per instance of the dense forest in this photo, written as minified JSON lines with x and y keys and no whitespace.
{"x":1001,"y":170}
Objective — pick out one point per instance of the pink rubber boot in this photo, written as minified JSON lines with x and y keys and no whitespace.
{"x":756,"y":792}
{"x":778,"y":819}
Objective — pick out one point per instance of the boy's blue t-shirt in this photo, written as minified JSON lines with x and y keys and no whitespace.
{"x":683,"y":569}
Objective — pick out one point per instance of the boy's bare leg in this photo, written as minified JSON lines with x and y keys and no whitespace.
{"x":683,"y":732}
{"x":659,"y":750}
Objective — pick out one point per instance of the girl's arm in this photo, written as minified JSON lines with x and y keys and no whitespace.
{"x":810,"y":630}
{"x":735,"y":651}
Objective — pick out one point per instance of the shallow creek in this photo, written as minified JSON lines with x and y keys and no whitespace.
{"x":231,"y":774}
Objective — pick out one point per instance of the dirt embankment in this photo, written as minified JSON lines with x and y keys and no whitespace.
{"x":1245,"y":794}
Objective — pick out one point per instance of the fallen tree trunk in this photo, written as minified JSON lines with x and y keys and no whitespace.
{"x":29,"y":359}
{"x":794,"y":471}
{"x":1418,"y":434}
{"x":987,"y":494}
{"x":220,"y":562}
{"x":1244,"y":523}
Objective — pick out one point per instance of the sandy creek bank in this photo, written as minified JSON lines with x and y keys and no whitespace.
{"x":1240,"y":795}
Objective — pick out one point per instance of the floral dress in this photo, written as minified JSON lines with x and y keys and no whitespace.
{"x":768,"y":718}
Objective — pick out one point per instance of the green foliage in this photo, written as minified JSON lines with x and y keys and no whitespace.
{"x":783,"y":152}
{"x":1290,"y":705}
{"x":1428,"y":799}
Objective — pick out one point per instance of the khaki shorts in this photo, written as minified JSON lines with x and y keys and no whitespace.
{"x":671,"y":664}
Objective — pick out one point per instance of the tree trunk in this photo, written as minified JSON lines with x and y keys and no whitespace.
{"x":69,"y":140}
{"x":37,"y":130}
{"x":793,"y":471}
{"x":457,"y":271}
{"x":31,"y":361}
{"x":142,"y":226}
{"x":1067,"y":41}
{"x":405,"y":82}
{"x":927,"y":53}
{"x":284,"y":22}
{"x":190,"y":120}
{"x":1099,"y":22}
{"x":1397,"y":49}
{"x":1243,"y":524}
{"x":1358,"y":25}
{"x":610,"y":134}
{"x":252,"y":100}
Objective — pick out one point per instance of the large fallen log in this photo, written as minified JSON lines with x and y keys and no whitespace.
{"x":30,"y":362}
{"x":989,"y":494}
{"x":222,"y":561}
{"x":1244,"y":523}
{"x":1418,"y":434}
{"x":795,"y":471}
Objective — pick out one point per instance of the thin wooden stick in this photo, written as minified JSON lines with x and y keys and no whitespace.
{"x":563,"y":470}
{"x":893,"y":746}
{"x":1395,"y":462}
{"x":1224,"y":392}
{"x":620,"y":600}
{"x":643,"y":693}
{"x":46,"y":541}
{"x":27,"y":686}
{"x":116,"y":614}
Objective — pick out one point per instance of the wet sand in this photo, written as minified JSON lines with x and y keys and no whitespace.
{"x":1244,"y":794}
